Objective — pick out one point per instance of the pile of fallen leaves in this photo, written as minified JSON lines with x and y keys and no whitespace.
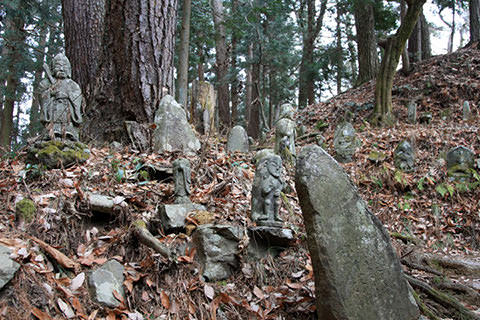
{"x":66,"y":240}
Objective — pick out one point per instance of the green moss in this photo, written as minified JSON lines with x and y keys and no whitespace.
{"x":144,"y":175}
{"x":53,"y":153}
{"x":140,"y":224}
{"x":25,"y":210}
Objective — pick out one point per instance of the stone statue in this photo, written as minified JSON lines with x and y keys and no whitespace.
{"x":181,"y":177}
{"x":285,"y":132}
{"x":460,"y":161}
{"x":60,"y":100}
{"x":404,"y":157}
{"x":267,"y":185}
{"x":344,"y":142}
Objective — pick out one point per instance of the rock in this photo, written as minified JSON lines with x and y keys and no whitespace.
{"x":268,"y":240}
{"x":25,"y":210}
{"x":8,"y":267}
{"x":237,"y":140}
{"x":217,"y":250}
{"x":412,"y":112}
{"x":173,"y":132}
{"x":344,"y":142}
{"x":56,"y":154}
{"x":262,"y":154}
{"x":104,"y":280}
{"x":172,"y":216}
{"x":425,"y":117}
{"x":404,"y":157}
{"x":285,"y":133}
{"x":466,"y":113}
{"x":459,"y":162}
{"x":115,"y":145}
{"x":377,"y":156}
{"x":357,"y":273}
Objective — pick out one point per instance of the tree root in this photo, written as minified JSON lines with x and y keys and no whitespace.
{"x":405,"y":238}
{"x":420,"y":267}
{"x":464,"y":267}
{"x":449,"y":302}
{"x":141,"y":232}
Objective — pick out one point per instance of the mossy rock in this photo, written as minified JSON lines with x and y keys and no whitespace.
{"x":56,"y":154}
{"x":377,"y":156}
{"x":25,"y":210}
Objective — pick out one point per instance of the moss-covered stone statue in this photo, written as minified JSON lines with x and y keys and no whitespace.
{"x":460,"y":162}
{"x":345,"y":142}
{"x":267,"y":185}
{"x":285,"y":133}
{"x":182,"y":179}
{"x":404,"y":157}
{"x":61,"y":100}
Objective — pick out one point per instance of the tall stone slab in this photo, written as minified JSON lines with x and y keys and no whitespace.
{"x":357,"y":273}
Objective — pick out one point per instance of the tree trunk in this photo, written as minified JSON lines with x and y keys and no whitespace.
{"x":14,"y":41}
{"x":221,"y":64}
{"x":339,"y":50}
{"x":426,"y":46}
{"x":405,"y":57}
{"x":249,"y":85}
{"x":235,"y":86}
{"x":253,"y":127}
{"x":474,"y":9}
{"x":415,"y":43}
{"x":366,"y":41}
{"x":394,"y":46}
{"x":183,"y":51}
{"x":128,"y":62}
{"x":452,"y":30}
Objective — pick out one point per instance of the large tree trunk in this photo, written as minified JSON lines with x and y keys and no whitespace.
{"x":253,"y":127}
{"x":221,"y":64}
{"x":133,"y":70}
{"x":415,"y":43}
{"x":249,"y":84}
{"x":474,"y":9}
{"x":14,"y":41}
{"x":426,"y":46}
{"x":366,"y":41}
{"x":405,"y":57}
{"x":339,"y":50}
{"x":183,"y":51}
{"x":235,"y":86}
{"x":394,"y":46}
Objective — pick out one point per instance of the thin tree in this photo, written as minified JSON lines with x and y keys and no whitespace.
{"x":366,"y":40}
{"x":474,"y":10}
{"x":393,"y":47}
{"x":183,"y":54}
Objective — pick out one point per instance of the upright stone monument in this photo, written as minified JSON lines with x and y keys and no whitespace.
{"x":466,"y":113}
{"x":357,"y":273}
{"x":459,"y":162}
{"x":412,"y":112}
{"x":404,"y":157}
{"x":285,"y":132}
{"x":237,"y":140}
{"x":345,"y":142}
{"x":182,"y":179}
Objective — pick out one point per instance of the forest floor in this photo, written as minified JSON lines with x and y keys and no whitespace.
{"x":434,"y":223}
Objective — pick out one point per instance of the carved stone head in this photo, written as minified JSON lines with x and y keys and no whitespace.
{"x":404,"y":157}
{"x":61,"y":67}
{"x":286,"y":111}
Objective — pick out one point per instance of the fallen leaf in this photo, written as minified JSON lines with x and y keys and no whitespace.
{"x":77,"y":281}
{"x":258,"y":292}
{"x":165,"y":300}
{"x":209,"y":292}
{"x":66,"y":309}
{"x":41,"y":315}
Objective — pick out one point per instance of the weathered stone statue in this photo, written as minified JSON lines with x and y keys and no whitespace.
{"x":267,"y":185}
{"x":459,"y":162}
{"x":344,"y":142}
{"x":237,"y":140}
{"x":285,"y":132}
{"x":181,"y":176}
{"x":60,"y":100}
{"x":412,"y":112}
{"x":466,"y":112}
{"x":404,"y":157}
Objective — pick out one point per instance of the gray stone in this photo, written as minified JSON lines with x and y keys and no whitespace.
{"x":259,"y":155}
{"x":56,"y":154}
{"x":182,"y":180}
{"x":285,"y":133}
{"x":357,"y":273}
{"x":404,"y":157}
{"x":466,"y":113}
{"x":237,"y":140}
{"x":425,"y":117}
{"x":60,"y":101}
{"x":173,"y":132}
{"x":412,"y":112}
{"x":8,"y":267}
{"x":459,"y":162}
{"x":172,"y":216}
{"x":217,"y":250}
{"x":266,"y":188}
{"x":344,"y":142}
{"x":106,"y":279}
{"x":268,"y":240}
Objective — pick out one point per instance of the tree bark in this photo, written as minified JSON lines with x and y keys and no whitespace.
{"x":405,"y":56}
{"x":474,"y":10}
{"x":131,"y":57}
{"x":253,"y":127}
{"x":221,"y":64}
{"x":235,"y":86}
{"x":183,"y":53}
{"x":366,"y":41}
{"x":426,"y":46}
{"x":393,"y":46}
{"x":339,"y":48}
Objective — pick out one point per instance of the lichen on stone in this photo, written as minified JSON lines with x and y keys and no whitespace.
{"x":25,"y":210}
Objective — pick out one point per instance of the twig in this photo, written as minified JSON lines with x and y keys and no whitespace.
{"x":62,"y":259}
{"x":141,"y":232}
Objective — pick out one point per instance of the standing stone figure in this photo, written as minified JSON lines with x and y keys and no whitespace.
{"x":344,"y":142}
{"x":404,"y":157}
{"x":285,"y":132}
{"x":460,"y":161}
{"x":60,"y":100}
{"x":466,"y":111}
{"x":267,"y":185}
{"x":412,"y":112}
{"x":181,"y":177}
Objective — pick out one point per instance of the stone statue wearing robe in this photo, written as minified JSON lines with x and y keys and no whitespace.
{"x":182,"y":179}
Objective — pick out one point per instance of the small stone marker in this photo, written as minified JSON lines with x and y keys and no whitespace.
{"x":344,"y":142}
{"x":404,"y":157}
{"x":459,"y":162}
{"x":8,"y":267}
{"x":466,"y":113}
{"x":172,"y":216}
{"x":285,"y":133}
{"x":237,"y":140}
{"x":104,"y":280}
{"x":412,"y":112}
{"x":182,"y":179}
{"x":357,"y":273}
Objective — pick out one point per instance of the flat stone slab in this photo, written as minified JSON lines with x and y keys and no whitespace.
{"x":172,"y":216}
{"x":104,"y":280}
{"x":357,"y":273}
{"x":8,"y":267}
{"x":268,"y":240}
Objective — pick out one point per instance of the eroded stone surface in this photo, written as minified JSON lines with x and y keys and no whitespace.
{"x":345,"y":142}
{"x":459,"y":162}
{"x":237,"y":140}
{"x":404,"y":157}
{"x":172,"y":216}
{"x":106,"y":279}
{"x":357,"y":273}
{"x":8,"y":267}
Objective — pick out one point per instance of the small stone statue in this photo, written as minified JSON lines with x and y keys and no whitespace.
{"x":285,"y":133}
{"x":267,"y":185}
{"x":466,"y":112}
{"x":60,"y":100}
{"x":412,"y":112}
{"x":344,"y":142}
{"x":404,"y":157}
{"x":459,"y":162}
{"x":182,"y":179}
